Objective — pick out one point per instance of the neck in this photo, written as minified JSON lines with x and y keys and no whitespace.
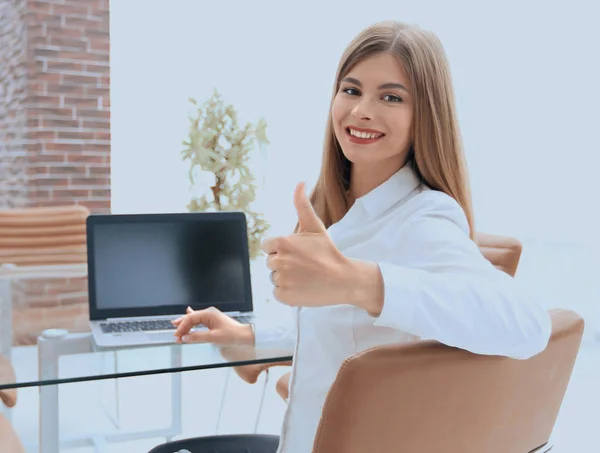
{"x":366,"y":178}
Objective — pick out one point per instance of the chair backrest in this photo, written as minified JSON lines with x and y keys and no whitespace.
{"x":427,"y":397}
{"x":502,"y":251}
{"x":43,"y":235}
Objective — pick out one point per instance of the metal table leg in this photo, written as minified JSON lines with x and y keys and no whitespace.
{"x":51,"y":345}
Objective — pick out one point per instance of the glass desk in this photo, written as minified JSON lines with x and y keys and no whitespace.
{"x":56,"y":346}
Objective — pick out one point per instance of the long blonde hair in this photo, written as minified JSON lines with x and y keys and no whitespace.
{"x":436,"y":152}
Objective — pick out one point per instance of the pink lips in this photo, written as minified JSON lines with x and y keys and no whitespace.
{"x":360,"y":140}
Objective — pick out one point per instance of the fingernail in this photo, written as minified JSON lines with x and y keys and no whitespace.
{"x":185,"y":338}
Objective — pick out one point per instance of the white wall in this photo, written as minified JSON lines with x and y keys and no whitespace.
{"x":526,"y":81}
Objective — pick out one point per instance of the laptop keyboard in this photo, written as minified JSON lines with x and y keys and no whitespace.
{"x":149,"y":326}
{"x":136,"y":326}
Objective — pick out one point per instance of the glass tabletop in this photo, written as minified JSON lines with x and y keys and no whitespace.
{"x":74,"y":357}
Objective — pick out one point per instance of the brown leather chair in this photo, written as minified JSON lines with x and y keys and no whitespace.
{"x":427,"y":397}
{"x":9,"y":441}
{"x":502,"y":251}
{"x":43,"y":235}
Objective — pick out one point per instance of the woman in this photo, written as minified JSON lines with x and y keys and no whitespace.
{"x":387,"y":253}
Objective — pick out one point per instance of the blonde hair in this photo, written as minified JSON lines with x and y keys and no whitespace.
{"x":436,"y":152}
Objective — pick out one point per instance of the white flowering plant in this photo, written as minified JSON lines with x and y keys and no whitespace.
{"x":218,"y":144}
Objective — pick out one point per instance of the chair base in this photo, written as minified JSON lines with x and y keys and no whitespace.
{"x":237,"y":443}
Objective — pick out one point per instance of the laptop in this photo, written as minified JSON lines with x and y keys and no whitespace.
{"x":144,"y":270}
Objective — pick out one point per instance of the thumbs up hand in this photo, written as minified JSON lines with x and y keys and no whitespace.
{"x":307,"y":269}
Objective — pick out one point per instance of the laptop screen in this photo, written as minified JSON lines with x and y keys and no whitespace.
{"x":158,"y":264}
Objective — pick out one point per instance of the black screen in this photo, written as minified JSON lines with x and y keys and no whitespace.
{"x":167,"y":263}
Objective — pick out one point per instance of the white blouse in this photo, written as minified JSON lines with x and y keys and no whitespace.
{"x":437,"y":285}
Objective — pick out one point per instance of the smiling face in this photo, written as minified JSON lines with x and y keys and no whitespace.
{"x":372,"y":116}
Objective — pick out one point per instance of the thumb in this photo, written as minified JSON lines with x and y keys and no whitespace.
{"x":307,"y":217}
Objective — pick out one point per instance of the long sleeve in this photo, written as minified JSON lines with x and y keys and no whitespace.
{"x":279,"y":329}
{"x":439,"y":286}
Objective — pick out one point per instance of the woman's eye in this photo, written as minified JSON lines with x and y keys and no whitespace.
{"x":351,"y":91}
{"x":392,"y":98}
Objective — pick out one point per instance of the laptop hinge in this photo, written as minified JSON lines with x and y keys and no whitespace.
{"x":233,"y":313}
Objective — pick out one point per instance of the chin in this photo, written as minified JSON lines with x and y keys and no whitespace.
{"x":356,"y":155}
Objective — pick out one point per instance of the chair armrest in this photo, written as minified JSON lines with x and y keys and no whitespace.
{"x":7,"y":376}
{"x":283,"y":386}
{"x":9,"y":441}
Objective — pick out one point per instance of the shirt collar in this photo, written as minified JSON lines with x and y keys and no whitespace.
{"x":387,"y":194}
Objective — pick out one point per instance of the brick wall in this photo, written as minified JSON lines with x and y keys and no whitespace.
{"x":54,"y":132}
{"x":13,"y":91}
{"x":68,"y":103}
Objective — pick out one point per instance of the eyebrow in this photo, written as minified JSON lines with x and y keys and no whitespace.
{"x":385,"y":86}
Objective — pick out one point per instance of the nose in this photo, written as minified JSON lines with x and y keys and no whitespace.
{"x":362,"y":110}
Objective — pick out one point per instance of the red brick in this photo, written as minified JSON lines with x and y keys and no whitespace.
{"x":49,"y":79}
{"x":75,"y":135}
{"x":70,"y":9}
{"x":78,"y":102}
{"x":35,"y":88}
{"x":63,"y":147}
{"x":56,"y":66}
{"x":52,"y":181}
{"x":100,"y":170}
{"x":62,"y":122}
{"x":67,"y":170}
{"x":51,"y":111}
{"x":97,"y":91}
{"x":85,"y":23}
{"x":100,"y":193}
{"x":96,"y":68}
{"x":80,"y":79}
{"x":42,"y":101}
{"x":42,"y":135}
{"x":87,"y":159}
{"x":98,"y":123}
{"x":69,"y":194}
{"x":71,"y":90}
{"x":64,"y":32}
{"x":98,"y":148}
{"x":48,"y":158}
{"x":73,"y":44}
{"x":91,"y":182}
{"x":93,"y":113}
{"x":40,"y":7}
{"x":96,"y":206}
{"x":83,"y":56}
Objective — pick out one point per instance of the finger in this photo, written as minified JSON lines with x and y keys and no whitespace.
{"x":273,"y":261}
{"x":269,"y":246}
{"x":202,"y":336}
{"x":275,"y":279}
{"x":307,"y":217}
{"x":177,"y":321}
{"x":189,"y":321}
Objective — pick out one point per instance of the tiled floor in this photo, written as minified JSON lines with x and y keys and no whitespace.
{"x":563,"y":277}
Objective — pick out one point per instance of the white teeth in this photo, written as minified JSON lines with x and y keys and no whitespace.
{"x":363,"y":134}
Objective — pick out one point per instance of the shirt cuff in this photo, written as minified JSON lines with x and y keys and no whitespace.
{"x":400,"y":299}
